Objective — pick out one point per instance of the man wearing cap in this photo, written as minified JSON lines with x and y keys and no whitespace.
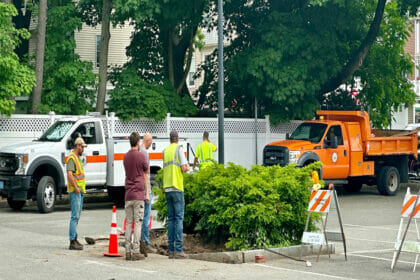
{"x":204,"y":151}
{"x":76,"y":187}
{"x":174,"y":163}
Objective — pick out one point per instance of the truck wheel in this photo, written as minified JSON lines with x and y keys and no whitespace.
{"x":15,"y":204}
{"x":45,"y":194}
{"x":116,"y":195}
{"x":388,"y":180}
{"x":353,"y":186}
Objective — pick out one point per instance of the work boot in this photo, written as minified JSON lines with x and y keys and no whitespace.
{"x":77,"y":241}
{"x":128,"y":256}
{"x":150,"y":250}
{"x":75,"y":246}
{"x":137,"y":257}
{"x":171,"y":255}
{"x":143,"y":248}
{"x":180,"y":256}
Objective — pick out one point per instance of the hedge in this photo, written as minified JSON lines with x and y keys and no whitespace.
{"x":244,"y":209}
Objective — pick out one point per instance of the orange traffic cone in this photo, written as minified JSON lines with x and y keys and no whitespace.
{"x":150,"y":224}
{"x":113,"y":238}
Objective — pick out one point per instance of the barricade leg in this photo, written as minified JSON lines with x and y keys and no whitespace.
{"x":418,"y":240}
{"x":324,"y":225}
{"x":306,"y":228}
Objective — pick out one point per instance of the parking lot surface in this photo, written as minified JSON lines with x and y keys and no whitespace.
{"x":35,"y":246}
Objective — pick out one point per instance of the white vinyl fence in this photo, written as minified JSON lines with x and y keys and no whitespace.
{"x":240,"y":136}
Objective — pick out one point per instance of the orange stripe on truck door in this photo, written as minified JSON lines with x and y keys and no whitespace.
{"x":152,"y":156}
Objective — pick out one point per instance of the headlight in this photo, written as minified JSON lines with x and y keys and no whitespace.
{"x":22,"y":160}
{"x":293,"y":156}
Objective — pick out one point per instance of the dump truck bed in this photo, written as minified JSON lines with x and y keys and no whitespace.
{"x":377,"y":142}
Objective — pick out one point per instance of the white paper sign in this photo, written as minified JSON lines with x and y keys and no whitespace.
{"x":313,"y":238}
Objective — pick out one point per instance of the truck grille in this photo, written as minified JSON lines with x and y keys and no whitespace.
{"x":275,"y":155}
{"x":8,"y":163}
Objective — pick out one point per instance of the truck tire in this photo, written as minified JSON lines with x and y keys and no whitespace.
{"x":388,"y":180}
{"x":45,"y":194}
{"x":116,"y":195}
{"x":15,"y":204}
{"x":353,"y":186}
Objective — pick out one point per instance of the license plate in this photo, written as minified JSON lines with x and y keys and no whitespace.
{"x":1,"y":185}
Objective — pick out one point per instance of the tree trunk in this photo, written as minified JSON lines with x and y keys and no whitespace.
{"x":39,"y":60}
{"x":187,"y":66}
{"x":103,"y":59}
{"x":171,"y":57}
{"x":357,"y":59}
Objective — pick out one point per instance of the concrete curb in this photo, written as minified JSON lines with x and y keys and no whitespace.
{"x":248,"y":256}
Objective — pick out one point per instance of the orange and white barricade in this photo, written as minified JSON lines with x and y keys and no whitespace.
{"x":410,"y":210}
{"x":320,"y":202}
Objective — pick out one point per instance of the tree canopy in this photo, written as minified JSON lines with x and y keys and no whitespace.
{"x":16,"y":78}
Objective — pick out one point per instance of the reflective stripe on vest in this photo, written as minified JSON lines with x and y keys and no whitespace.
{"x":78,"y":176}
{"x":172,"y":174}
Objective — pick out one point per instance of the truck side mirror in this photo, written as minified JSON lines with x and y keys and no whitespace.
{"x":287,"y":136}
{"x":69,"y":144}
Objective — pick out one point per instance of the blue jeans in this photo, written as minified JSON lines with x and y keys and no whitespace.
{"x":146,"y":221}
{"x":175,"y":202}
{"x":76,"y":205}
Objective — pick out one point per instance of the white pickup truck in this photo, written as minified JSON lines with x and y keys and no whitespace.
{"x":36,"y":170}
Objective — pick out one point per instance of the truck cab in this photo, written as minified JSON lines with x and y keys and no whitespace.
{"x":350,"y":152}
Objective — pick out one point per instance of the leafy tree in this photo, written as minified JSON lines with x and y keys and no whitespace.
{"x":16,"y":79}
{"x":165,"y":37}
{"x":134,"y":97}
{"x":289,"y":54}
{"x":69,"y":86}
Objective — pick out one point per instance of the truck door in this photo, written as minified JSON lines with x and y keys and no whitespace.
{"x":95,"y":152}
{"x":335,"y":159}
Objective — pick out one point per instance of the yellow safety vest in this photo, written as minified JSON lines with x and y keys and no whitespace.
{"x":205,"y":146}
{"x":79,"y":175}
{"x":172,"y":174}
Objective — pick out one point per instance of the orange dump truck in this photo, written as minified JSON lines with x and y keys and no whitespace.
{"x":352,"y":154}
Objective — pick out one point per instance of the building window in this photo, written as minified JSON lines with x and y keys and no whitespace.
{"x":191,"y":73}
{"x":98,"y":49}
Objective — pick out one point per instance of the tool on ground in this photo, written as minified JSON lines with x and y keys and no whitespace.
{"x":92,"y":241}
{"x":320,"y":202}
{"x":113,"y":238}
{"x":410,"y":210}
{"x":308,"y":263}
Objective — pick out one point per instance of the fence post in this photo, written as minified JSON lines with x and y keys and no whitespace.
{"x":168,"y":124}
{"x":112,"y":115}
{"x":52,"y":117}
{"x":267,"y":129}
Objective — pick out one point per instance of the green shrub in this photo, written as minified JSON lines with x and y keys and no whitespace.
{"x":263,"y":206}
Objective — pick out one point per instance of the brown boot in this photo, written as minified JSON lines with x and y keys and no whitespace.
{"x":75,"y":246}
{"x":77,"y":241}
{"x":128,"y":256}
{"x":181,"y":255}
{"x":171,"y":255}
{"x":143,"y":248}
{"x":137,"y":257}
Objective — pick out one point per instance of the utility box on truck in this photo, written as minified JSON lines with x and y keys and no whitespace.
{"x":351,"y":153}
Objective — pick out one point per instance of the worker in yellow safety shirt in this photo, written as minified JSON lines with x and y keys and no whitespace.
{"x":204,"y":151}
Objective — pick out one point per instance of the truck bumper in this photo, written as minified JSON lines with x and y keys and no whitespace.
{"x":14,"y":187}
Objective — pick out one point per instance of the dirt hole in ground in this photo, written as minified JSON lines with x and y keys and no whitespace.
{"x":192,"y":243}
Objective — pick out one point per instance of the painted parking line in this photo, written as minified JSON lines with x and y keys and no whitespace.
{"x":391,"y":227}
{"x":371,"y":240}
{"x":379,"y":259}
{"x":304,"y":272}
{"x":121,"y":267}
{"x":370,"y":251}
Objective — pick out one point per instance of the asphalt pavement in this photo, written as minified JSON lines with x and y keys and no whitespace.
{"x":35,"y":246}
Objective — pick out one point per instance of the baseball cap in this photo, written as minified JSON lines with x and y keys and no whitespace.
{"x":80,"y":141}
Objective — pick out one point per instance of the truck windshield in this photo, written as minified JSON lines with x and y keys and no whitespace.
{"x":57,"y":131}
{"x":312,"y":132}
